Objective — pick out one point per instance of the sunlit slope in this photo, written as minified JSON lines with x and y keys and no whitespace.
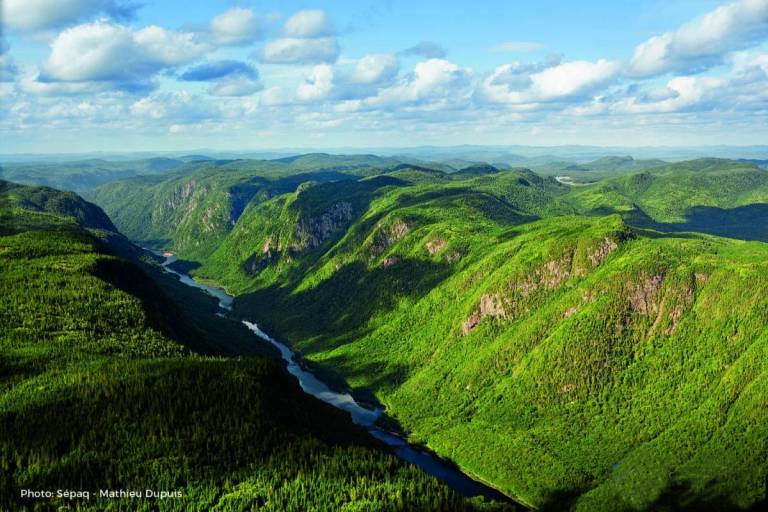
{"x":566,"y":358}
{"x":97,"y":392}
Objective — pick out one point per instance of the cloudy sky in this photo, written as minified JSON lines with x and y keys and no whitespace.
{"x":84,"y":75}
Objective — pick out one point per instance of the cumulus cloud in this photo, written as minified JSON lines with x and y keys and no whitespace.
{"x":317,"y":85}
{"x":681,"y":93}
{"x":370,"y":74}
{"x":103,"y":51}
{"x":236,"y":27}
{"x":703,"y":42}
{"x":426,"y":49}
{"x":374,"y":69}
{"x":34,"y":15}
{"x":435,"y":83}
{"x":308,"y":24}
{"x":308,"y":39}
{"x":290,"y":50}
{"x":521,"y":84}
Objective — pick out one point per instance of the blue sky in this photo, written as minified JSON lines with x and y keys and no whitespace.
{"x":106,"y":75}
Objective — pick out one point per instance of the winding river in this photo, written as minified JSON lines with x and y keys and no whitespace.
{"x":362,"y":416}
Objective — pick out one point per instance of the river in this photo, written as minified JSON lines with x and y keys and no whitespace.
{"x":363,"y":416}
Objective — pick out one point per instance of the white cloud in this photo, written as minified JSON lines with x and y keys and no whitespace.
{"x":179,"y":107}
{"x":105,"y":51}
{"x":517,"y":47}
{"x":235,"y":86}
{"x":703,"y":42}
{"x":33,"y":15}
{"x":434,"y":83}
{"x":235,"y":27}
{"x":308,"y":24}
{"x":318,"y":84}
{"x":521,"y":84}
{"x":681,"y":93}
{"x":308,"y":39}
{"x":291,"y":50}
{"x":375,"y":68}
{"x":31,"y":85}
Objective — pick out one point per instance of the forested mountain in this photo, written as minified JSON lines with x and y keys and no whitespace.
{"x":102,"y":387}
{"x":560,"y":342}
{"x":589,"y":347}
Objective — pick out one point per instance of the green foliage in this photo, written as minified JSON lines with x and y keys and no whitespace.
{"x":566,"y":360}
{"x":96,"y":392}
{"x":722,"y":197}
{"x":50,"y":201}
{"x":192,"y":212}
{"x":562,"y":343}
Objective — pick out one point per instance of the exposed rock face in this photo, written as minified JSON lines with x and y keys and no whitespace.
{"x":490,"y":305}
{"x":259,"y":261}
{"x":388,"y":236}
{"x":388,"y":262}
{"x":548,"y":276}
{"x":453,"y":257}
{"x":184,"y":196}
{"x":470,"y":323}
{"x":312,"y":232}
{"x":435,"y":246}
{"x":602,"y":251}
{"x":644,"y":297}
{"x":267,"y":245}
{"x":667,"y":304}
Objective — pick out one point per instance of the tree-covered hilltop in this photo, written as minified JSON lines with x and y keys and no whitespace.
{"x":96,"y":391}
{"x":47,"y":200}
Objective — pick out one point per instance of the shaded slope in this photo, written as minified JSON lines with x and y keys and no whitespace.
{"x":722,"y":197}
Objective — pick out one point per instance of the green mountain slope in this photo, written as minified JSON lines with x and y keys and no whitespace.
{"x":191,"y":213}
{"x":565,"y":359}
{"x":45,"y":199}
{"x":722,"y":197}
{"x":97,"y":392}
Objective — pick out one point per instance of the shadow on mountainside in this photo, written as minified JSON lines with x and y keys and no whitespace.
{"x":678,"y":496}
{"x":340,"y":307}
{"x":748,"y":222}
